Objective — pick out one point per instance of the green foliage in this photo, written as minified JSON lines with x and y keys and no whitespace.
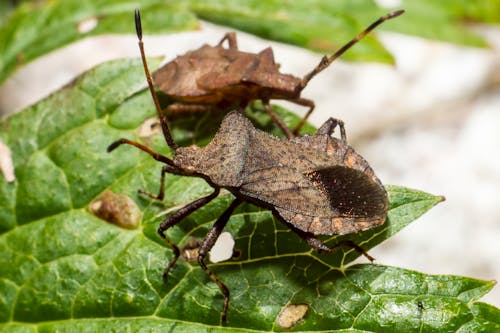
{"x":323,"y":26}
{"x":446,"y":20}
{"x":39,"y":27}
{"x":62,"y":269}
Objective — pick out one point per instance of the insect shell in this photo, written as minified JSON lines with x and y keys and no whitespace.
{"x":223,"y":76}
{"x":316,"y":183}
{"x":214,"y":77}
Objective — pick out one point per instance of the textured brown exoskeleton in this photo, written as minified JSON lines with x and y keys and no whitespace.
{"x":215,"y":77}
{"x":314,"y":184}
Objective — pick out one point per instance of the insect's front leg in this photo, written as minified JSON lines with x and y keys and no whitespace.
{"x":206,"y":246}
{"x":165,"y":169}
{"x":177,"y":217}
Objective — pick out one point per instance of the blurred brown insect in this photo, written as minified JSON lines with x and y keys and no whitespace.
{"x":314,"y":184}
{"x":214,"y":78}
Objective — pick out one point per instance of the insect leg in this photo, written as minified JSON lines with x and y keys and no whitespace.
{"x":326,"y":61}
{"x":318,"y":245}
{"x":329,"y":126}
{"x":165,"y":169}
{"x":176,"y":218}
{"x":207,"y":245}
{"x":354,"y":246}
{"x":277,"y":120}
{"x":303,"y":102}
{"x":155,"y":155}
{"x":231,"y":40}
{"x":188,"y":108}
{"x":313,"y":242}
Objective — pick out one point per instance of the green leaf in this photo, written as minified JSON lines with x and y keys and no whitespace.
{"x":38,"y":27}
{"x":62,"y":269}
{"x":466,"y":11}
{"x":440,"y":20}
{"x":322,"y":26}
{"x":326,"y":25}
{"x":6,"y":7}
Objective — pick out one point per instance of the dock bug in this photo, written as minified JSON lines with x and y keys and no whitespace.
{"x":215,"y":77}
{"x":314,"y":184}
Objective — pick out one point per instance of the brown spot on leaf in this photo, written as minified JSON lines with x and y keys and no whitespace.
{"x":149,"y":128}
{"x":117,"y":209}
{"x":291,"y":315}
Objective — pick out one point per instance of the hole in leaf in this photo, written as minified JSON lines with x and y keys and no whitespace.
{"x":223,"y":248}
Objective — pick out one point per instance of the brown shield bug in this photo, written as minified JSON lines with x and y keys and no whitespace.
{"x":314,"y":184}
{"x":215,"y":77}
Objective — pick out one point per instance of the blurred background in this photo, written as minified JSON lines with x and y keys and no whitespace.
{"x":430,"y":121}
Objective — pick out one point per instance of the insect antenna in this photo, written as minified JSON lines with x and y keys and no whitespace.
{"x":326,"y":61}
{"x":163,"y":119}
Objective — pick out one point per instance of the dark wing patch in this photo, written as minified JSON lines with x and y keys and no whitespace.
{"x":333,"y":200}
{"x":351,"y":192}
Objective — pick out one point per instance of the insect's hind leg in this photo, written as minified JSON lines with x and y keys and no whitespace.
{"x":304,"y":102}
{"x":354,"y":246}
{"x":207,"y":244}
{"x":231,"y":40}
{"x":277,"y":120}
{"x":177,"y":217}
{"x":329,"y":126}
{"x":318,"y":245}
